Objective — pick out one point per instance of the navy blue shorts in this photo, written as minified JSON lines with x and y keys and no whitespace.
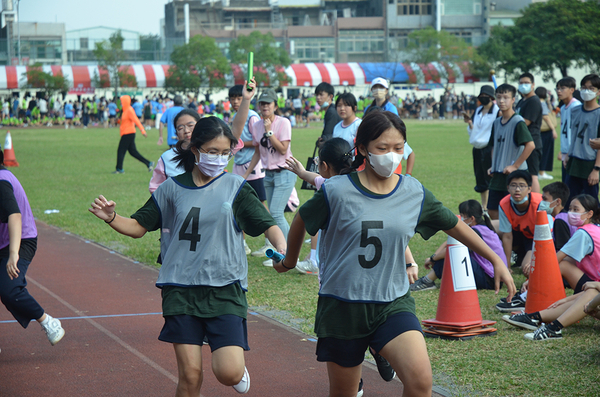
{"x":221,"y":331}
{"x":350,"y":353}
{"x":494,"y":198}
{"x":259,"y":187}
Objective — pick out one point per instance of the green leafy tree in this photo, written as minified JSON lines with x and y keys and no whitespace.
{"x":111,"y":56}
{"x":200,"y":64}
{"x":269,"y":60}
{"x":557,"y":34}
{"x":428,"y":45}
{"x":36,"y":78}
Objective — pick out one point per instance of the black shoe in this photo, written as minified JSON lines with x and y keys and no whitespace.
{"x":522,"y":320}
{"x":386,"y":371}
{"x":544,"y":333}
{"x":517,"y":296}
{"x":360,"y":389}
{"x":515,"y":305}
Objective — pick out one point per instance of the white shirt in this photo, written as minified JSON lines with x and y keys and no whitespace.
{"x":348,"y":133}
{"x":43,"y":105}
{"x":479,"y":135}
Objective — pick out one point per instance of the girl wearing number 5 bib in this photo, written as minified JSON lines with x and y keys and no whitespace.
{"x":366,"y":220}
{"x":201,"y":215}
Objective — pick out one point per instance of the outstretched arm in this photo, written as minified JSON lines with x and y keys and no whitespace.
{"x":105,"y":210}
{"x":295,"y":239}
{"x":463,"y":233}
{"x":297,"y":168}
{"x":240,"y":118}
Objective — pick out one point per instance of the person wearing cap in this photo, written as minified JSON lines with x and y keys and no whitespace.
{"x":271,"y":136}
{"x":167,"y":119}
{"x":480,"y":129}
{"x":379,"y":89}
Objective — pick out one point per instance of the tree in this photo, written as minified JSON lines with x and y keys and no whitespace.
{"x":198,"y":64}
{"x":428,"y":45}
{"x":110,"y":56}
{"x":269,"y":60}
{"x":557,"y":34}
{"x":43,"y":81}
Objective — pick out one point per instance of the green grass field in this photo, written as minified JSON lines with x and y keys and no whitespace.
{"x":65,"y":170}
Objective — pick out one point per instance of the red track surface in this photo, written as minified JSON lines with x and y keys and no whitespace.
{"x":121,"y":356}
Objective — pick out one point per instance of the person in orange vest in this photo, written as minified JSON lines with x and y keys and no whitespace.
{"x":517,"y":215}
{"x":127,"y":143}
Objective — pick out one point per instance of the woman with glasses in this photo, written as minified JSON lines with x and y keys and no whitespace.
{"x":272,"y":135}
{"x":184,"y":122}
{"x":204,"y":277}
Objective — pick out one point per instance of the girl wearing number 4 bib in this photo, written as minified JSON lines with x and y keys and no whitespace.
{"x":366,"y":219}
{"x":201,"y":215}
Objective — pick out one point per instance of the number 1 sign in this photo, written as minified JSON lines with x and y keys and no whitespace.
{"x":462,"y":272}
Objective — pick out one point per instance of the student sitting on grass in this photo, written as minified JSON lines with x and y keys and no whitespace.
{"x":472,"y":214}
{"x":559,"y":315}
{"x":554,"y":196}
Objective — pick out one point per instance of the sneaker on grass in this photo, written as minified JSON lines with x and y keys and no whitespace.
{"x":514,"y":305}
{"x":54,"y":330}
{"x":244,"y":384}
{"x":268,"y":263}
{"x":262,"y":251}
{"x":522,"y":320}
{"x":307,"y":267}
{"x":246,"y":248}
{"x":517,"y":296}
{"x":543,"y":333}
{"x":151,"y":166}
{"x":422,"y":284}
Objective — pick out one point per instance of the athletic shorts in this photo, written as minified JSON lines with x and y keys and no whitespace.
{"x":68,"y":118}
{"x":221,"y":331}
{"x":482,"y":162}
{"x":533,"y":162}
{"x":297,"y":112}
{"x":579,"y":287}
{"x":259,"y":187}
{"x":350,"y":353}
{"x":521,"y":245}
{"x":494,"y":198}
{"x":111,"y":116}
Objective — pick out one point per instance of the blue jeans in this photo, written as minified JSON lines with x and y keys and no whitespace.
{"x":278,"y":187}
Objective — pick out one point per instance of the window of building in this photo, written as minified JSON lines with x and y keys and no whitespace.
{"x":84,"y":43}
{"x":361,"y":41}
{"x":415,"y":7}
{"x":317,"y":49}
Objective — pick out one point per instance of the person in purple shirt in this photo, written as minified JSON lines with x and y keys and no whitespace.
{"x":471,"y":212}
{"x":18,"y":243}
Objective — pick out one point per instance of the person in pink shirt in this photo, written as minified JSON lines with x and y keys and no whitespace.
{"x":272,"y":135}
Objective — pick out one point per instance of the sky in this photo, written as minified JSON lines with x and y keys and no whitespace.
{"x":142,"y":16}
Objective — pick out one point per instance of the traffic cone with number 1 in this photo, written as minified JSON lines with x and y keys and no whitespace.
{"x":458,"y":313}
{"x":9,"y":154}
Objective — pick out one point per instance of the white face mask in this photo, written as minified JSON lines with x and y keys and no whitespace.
{"x":587,"y":95}
{"x":523,"y":201}
{"x":524,"y":88}
{"x":212,"y":165}
{"x":385,"y":164}
{"x":379,"y":93}
{"x":325,"y":104}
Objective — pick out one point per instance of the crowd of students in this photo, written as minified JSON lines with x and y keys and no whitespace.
{"x":365,"y":211}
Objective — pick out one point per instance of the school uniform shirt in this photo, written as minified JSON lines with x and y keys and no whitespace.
{"x":479,"y":135}
{"x":562,"y":230}
{"x":387,"y":106}
{"x":512,"y":219}
{"x":584,"y":247}
{"x":112,"y":109}
{"x":269,"y":156}
{"x":244,"y":156}
{"x":348,"y":133}
{"x":13,"y":200}
{"x":585,"y":125}
{"x":565,"y":125}
{"x":68,"y":111}
{"x":531,"y":109}
{"x":362,"y":242}
{"x":508,"y":141}
{"x":243,"y":212}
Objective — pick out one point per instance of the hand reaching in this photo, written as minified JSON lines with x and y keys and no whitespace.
{"x":294,"y":165}
{"x":103,"y":208}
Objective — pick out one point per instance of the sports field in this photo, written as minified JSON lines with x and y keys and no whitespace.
{"x":65,"y":169}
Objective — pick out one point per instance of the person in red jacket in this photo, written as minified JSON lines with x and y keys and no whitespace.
{"x":127,"y":143}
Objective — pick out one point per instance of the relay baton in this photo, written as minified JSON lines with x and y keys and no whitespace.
{"x":250,"y":68}
{"x":276,"y":256}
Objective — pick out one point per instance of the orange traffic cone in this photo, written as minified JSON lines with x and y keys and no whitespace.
{"x":545,"y":281}
{"x":458,"y":313}
{"x":9,"y":153}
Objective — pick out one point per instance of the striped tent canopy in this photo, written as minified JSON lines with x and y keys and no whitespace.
{"x":300,"y":74}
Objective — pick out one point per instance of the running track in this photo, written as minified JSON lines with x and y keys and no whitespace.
{"x":110,"y":310}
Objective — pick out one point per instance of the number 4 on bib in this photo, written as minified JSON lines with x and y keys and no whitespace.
{"x":193,"y":236}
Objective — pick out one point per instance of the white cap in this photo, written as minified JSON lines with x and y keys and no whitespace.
{"x":381,"y":81}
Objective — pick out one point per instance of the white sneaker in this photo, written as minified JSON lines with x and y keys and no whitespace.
{"x":545,"y":177}
{"x":244,"y":384}
{"x":268,"y":263}
{"x":54,"y":331}
{"x":246,"y":248}
{"x":307,"y":267}
{"x":308,"y":241}
{"x":262,"y":251}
